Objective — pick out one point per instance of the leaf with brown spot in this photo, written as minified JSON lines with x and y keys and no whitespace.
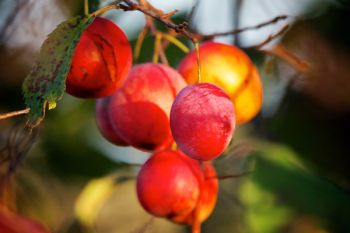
{"x":45,"y":84}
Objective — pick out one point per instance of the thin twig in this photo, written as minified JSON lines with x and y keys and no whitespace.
{"x":283,"y":53}
{"x":181,"y":28}
{"x":163,"y":18}
{"x":105,"y":9}
{"x":13,"y":114}
{"x":150,"y":27}
{"x":157,"y":45}
{"x":270,"y":38}
{"x":223,"y":177}
{"x":139,"y":43}
{"x":240,"y":30}
{"x":236,"y":20}
{"x":18,"y":144}
{"x":176,"y":42}
{"x":168,"y":15}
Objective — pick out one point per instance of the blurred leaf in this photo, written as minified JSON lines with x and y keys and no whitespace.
{"x":45,"y":83}
{"x":68,"y":142}
{"x":282,"y":187}
{"x":92,"y":198}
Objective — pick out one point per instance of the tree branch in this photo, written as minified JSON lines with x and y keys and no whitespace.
{"x":283,"y":53}
{"x":270,"y":38}
{"x":244,"y":29}
{"x":128,"y":5}
{"x":182,"y":28}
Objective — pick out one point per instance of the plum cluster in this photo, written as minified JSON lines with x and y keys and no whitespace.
{"x":155,"y":108}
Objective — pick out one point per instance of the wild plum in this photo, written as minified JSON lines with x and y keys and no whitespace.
{"x":101,"y":61}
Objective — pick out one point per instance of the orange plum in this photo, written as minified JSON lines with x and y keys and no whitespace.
{"x":230,"y":68}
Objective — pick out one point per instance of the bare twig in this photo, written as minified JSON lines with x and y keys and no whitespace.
{"x":283,"y":53}
{"x":153,"y":13}
{"x":168,"y":15}
{"x":223,"y":177}
{"x":240,"y":30}
{"x":158,"y":15}
{"x":13,"y":114}
{"x":139,"y":43}
{"x":270,"y":38}
{"x":236,"y":20}
{"x":19,"y":142}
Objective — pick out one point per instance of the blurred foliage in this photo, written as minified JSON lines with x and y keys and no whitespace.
{"x":282,"y":188}
{"x":67,"y":141}
{"x":299,"y":154}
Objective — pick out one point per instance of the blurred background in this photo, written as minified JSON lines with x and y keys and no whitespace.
{"x":74,"y":181}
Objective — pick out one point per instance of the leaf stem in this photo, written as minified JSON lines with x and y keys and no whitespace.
{"x":13,"y":114}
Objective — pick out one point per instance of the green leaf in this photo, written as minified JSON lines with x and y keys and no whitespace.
{"x":45,"y":84}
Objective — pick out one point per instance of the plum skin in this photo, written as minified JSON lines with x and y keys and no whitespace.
{"x":101,"y":61}
{"x":104,"y":123}
{"x":202,"y":121}
{"x":140,"y":109}
{"x":172,"y":185}
{"x":167,"y":186}
{"x":231,"y":69}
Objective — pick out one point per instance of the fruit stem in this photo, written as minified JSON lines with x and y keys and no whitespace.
{"x":86,"y":7}
{"x":176,"y":42}
{"x":196,"y":227}
{"x":139,"y":43}
{"x":157,"y":45}
{"x":174,"y":146}
{"x":196,"y":46}
{"x":15,"y":113}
